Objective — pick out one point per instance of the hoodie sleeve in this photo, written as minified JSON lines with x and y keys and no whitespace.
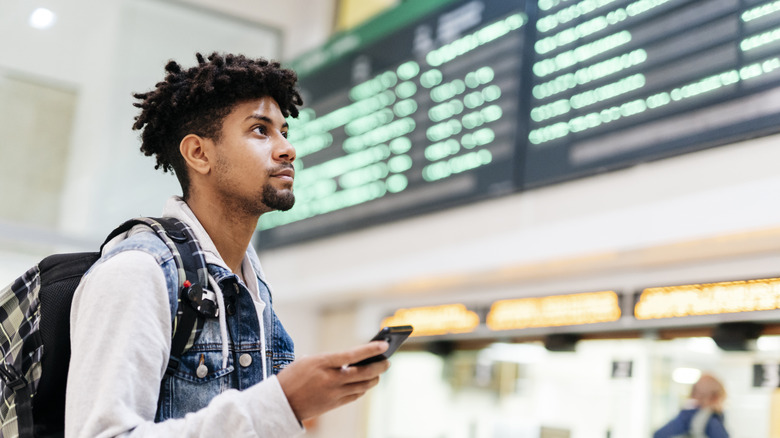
{"x":120,"y":340}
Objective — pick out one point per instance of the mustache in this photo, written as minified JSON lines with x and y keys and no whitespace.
{"x":281,"y":167}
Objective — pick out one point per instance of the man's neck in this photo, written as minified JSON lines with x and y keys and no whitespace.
{"x":230,"y":233}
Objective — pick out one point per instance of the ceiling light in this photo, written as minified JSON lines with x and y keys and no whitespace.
{"x":686,"y":376}
{"x":702,"y":345}
{"x":519,"y":353}
{"x":42,"y":18}
{"x":768,"y":343}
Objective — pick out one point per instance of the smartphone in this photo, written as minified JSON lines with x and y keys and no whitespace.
{"x":395,"y":336}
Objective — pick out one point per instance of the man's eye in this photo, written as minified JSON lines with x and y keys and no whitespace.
{"x":284,"y":134}
{"x":261,"y":130}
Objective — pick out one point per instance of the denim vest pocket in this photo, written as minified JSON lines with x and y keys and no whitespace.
{"x":188,"y":389}
{"x":210,"y":359}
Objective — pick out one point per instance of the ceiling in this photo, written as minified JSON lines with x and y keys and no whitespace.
{"x":305,"y":24}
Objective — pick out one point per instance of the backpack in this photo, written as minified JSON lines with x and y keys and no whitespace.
{"x":35,"y":324}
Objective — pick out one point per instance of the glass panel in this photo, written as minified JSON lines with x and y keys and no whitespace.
{"x":605,"y":388}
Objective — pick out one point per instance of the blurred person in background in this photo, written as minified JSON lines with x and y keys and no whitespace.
{"x":221,"y":128}
{"x":704,"y":417}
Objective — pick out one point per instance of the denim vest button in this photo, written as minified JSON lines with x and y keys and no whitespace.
{"x":201,"y":371}
{"x":245,"y":360}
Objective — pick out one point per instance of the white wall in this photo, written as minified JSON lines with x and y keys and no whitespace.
{"x":101,"y":51}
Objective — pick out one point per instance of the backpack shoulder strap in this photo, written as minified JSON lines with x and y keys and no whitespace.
{"x":194,"y":300}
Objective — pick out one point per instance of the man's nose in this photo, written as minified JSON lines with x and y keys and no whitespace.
{"x":284,"y":151}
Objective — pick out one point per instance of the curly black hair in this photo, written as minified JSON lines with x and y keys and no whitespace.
{"x":196,"y":101}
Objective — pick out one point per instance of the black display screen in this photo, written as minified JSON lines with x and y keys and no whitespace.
{"x":630,"y":81}
{"x":419,"y":120}
{"x":474,"y":99}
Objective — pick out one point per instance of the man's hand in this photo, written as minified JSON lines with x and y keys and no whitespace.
{"x":316,"y":384}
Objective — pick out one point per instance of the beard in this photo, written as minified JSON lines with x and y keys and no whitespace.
{"x":274,"y":199}
{"x":254,"y":204}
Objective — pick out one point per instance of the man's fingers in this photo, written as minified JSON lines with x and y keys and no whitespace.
{"x":362,"y":373}
{"x":357,"y":389}
{"x":358,"y":353}
{"x":363,"y":386}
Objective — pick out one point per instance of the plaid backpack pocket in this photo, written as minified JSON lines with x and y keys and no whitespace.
{"x":22,"y":348}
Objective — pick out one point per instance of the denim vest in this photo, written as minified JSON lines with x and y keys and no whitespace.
{"x":190,"y":389}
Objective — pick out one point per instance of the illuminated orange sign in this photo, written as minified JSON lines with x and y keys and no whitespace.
{"x":435,"y":320}
{"x":708,"y":299}
{"x":556,"y":310}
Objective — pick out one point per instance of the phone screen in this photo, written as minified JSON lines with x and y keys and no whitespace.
{"x":395,"y":336}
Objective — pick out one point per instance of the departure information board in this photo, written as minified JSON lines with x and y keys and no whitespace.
{"x":617,"y":82}
{"x":463,"y":100}
{"x":422,"y":119}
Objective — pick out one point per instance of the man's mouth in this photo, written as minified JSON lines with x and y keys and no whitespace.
{"x":285,"y":174}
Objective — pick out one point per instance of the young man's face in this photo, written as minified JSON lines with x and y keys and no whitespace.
{"x":253,"y":169}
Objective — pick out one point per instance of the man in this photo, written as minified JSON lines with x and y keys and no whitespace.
{"x":705,"y":417}
{"x":220,"y":127}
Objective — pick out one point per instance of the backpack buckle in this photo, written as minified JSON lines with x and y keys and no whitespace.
{"x":14,"y":380}
{"x":173,"y":365}
{"x":18,"y":383}
{"x":203,"y":300}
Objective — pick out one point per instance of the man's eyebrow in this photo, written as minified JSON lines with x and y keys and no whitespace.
{"x":266,"y":119}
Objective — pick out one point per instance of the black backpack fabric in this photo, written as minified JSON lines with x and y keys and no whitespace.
{"x":35,"y":327}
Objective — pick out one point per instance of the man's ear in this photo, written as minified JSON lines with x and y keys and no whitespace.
{"x":195,"y":150}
